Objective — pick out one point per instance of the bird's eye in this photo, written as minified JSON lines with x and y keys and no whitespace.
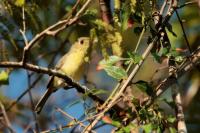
{"x":81,"y":42}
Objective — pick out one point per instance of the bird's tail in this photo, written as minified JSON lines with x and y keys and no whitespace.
{"x":42,"y":101}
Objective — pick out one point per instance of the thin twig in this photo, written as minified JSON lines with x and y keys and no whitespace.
{"x":23,"y":20}
{"x":127,"y":70}
{"x":23,"y":31}
{"x":184,"y":33}
{"x":29,"y":127}
{"x":36,"y":80}
{"x":72,"y":118}
{"x":7,"y":121}
{"x":170,"y":5}
{"x":162,"y":9}
{"x":73,"y":10}
{"x":187,"y":3}
{"x":190,"y":63}
{"x":109,"y":103}
{"x":31,"y":101}
{"x":24,"y":93}
{"x":54,"y":29}
{"x":139,"y":40}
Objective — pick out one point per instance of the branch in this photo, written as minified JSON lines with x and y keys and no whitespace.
{"x":59,"y":26}
{"x":32,"y":102}
{"x":6,"y":120}
{"x":23,"y":94}
{"x":74,"y":120}
{"x":189,"y":64}
{"x":187,"y":3}
{"x":68,"y":80}
{"x":181,"y":126}
{"x":109,"y":103}
{"x":37,"y":79}
{"x":184,"y":33}
{"x":105,"y":11}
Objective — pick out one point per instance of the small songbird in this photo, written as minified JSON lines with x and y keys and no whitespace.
{"x":72,"y":64}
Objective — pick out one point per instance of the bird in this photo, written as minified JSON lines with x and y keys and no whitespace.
{"x":72,"y":64}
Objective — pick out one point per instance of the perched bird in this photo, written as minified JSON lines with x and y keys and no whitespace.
{"x":72,"y":64}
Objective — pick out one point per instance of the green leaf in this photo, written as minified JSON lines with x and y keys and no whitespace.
{"x":173,"y":53}
{"x":136,"y":58}
{"x":101,"y":25}
{"x":127,"y":62}
{"x":172,"y":130}
{"x":169,"y":27}
{"x":170,"y":103}
{"x":156,"y":57}
{"x":93,"y":33}
{"x":171,"y":119}
{"x":179,"y":58}
{"x":127,"y":129}
{"x":164,"y":51}
{"x":147,"y":128}
{"x":89,"y":16}
{"x":143,"y":113}
{"x":145,"y":87}
{"x":116,"y":72}
{"x":19,"y":3}
{"x":4,"y":76}
{"x":133,"y":4}
{"x":125,"y":17}
{"x":136,"y":102}
{"x":116,"y":123}
{"x":110,"y":61}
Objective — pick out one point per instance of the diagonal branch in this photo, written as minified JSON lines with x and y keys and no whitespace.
{"x":190,"y":63}
{"x":6,"y":120}
{"x":109,"y":103}
{"x":54,"y":29}
{"x":184,"y":33}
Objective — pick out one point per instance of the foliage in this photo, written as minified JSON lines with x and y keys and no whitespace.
{"x":4,"y":77}
{"x":112,"y":51}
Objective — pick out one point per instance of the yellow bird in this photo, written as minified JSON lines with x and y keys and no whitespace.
{"x":72,"y":64}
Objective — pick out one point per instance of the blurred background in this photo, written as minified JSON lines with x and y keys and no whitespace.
{"x":40,"y":15}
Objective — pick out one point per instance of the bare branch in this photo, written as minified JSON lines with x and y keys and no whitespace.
{"x":31,"y":102}
{"x":7,"y":121}
{"x":72,"y":118}
{"x":68,"y":80}
{"x":184,"y":33}
{"x":188,"y":3}
{"x":54,"y":29}
{"x":105,"y":11}
{"x":181,"y":126}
